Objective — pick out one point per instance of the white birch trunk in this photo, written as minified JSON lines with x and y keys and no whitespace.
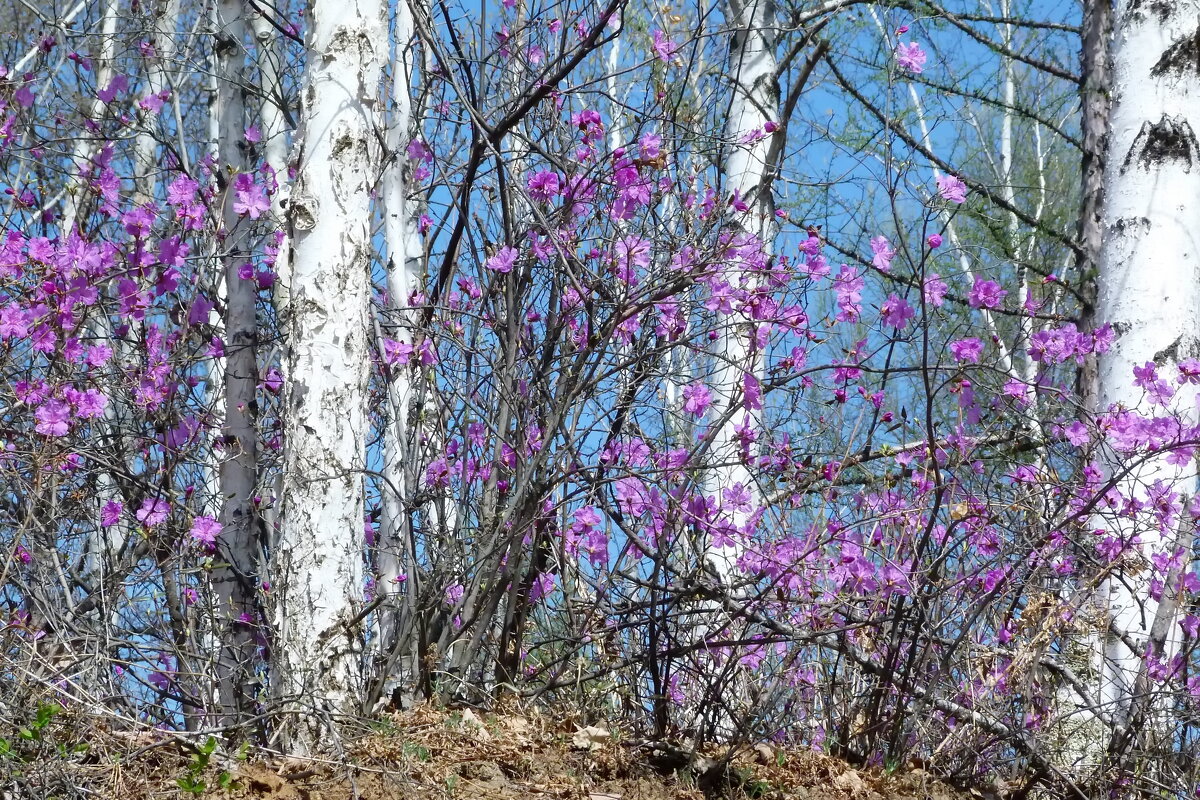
{"x":274,"y":139}
{"x":404,"y":253}
{"x":1149,"y":288}
{"x":145,"y":164}
{"x":319,"y":556}
{"x":106,"y":542}
{"x":747,"y":170}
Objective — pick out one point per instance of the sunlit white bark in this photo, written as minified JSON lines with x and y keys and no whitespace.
{"x":404,"y":264}
{"x":1149,"y":288}
{"x":750,"y":140}
{"x":146,"y":165}
{"x":318,"y":561}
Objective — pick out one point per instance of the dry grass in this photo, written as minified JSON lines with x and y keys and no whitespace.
{"x":436,"y":754}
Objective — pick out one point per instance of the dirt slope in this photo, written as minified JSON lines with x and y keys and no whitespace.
{"x":437,"y":754}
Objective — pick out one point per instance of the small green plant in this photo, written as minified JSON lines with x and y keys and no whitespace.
{"x":413,"y":750}
{"x":192,"y":782}
{"x":41,"y":721}
{"x":756,"y":789}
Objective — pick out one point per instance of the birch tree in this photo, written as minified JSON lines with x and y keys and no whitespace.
{"x":404,"y":276}
{"x":1149,"y":293}
{"x":318,"y":561}
{"x":751,"y":143}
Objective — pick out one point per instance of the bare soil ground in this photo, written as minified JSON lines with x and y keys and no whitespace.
{"x":440,"y":754}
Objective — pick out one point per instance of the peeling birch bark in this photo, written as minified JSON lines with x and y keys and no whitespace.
{"x":318,"y":560}
{"x":1149,"y":288}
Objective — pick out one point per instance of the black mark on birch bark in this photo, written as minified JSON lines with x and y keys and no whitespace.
{"x":1159,"y":8}
{"x":1157,"y":143}
{"x":1179,"y":59}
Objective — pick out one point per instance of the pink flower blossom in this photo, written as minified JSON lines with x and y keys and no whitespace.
{"x":111,"y":513}
{"x":896,"y":312}
{"x":153,"y":512}
{"x":249,"y":197}
{"x":53,"y":418}
{"x":503,"y":260}
{"x":883,"y":254}
{"x":395,"y":352}
{"x":951,"y":188}
{"x":664,"y":47}
{"x":935,"y":289}
{"x":986,"y":294}
{"x":911,"y":57}
{"x":967,"y":350}
{"x":205,"y":531}
{"x":696,"y":399}
{"x":544,"y":185}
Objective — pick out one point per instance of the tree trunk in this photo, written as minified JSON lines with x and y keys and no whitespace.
{"x":751,"y":144}
{"x":319,"y":557}
{"x":235,"y":579}
{"x":1082,"y":734}
{"x":162,"y":36}
{"x":404,"y":276}
{"x":1149,"y":289}
{"x":1095,"y":100}
{"x":748,"y":167}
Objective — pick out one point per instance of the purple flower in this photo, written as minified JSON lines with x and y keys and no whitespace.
{"x":651,"y":145}
{"x":911,"y":57}
{"x":182,"y":191}
{"x":544,"y":185}
{"x":154,"y":511}
{"x":395,"y":352}
{"x":696,"y":399}
{"x":664,"y":47}
{"x":205,"y":530}
{"x":883,"y":254}
{"x":934,"y":240}
{"x":986,"y":294}
{"x":503,"y":260}
{"x":118,"y":84}
{"x":542,"y":586}
{"x":897,"y":312}
{"x":111,"y":513}
{"x":967,"y":350}
{"x":752,"y":392}
{"x":935,"y":289}
{"x":249,"y":197}
{"x":736,"y":498}
{"x":952,"y":189}
{"x":91,"y":404}
{"x":454,"y":593}
{"x":419,"y":151}
{"x":53,"y":418}
{"x":1023,"y":474}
